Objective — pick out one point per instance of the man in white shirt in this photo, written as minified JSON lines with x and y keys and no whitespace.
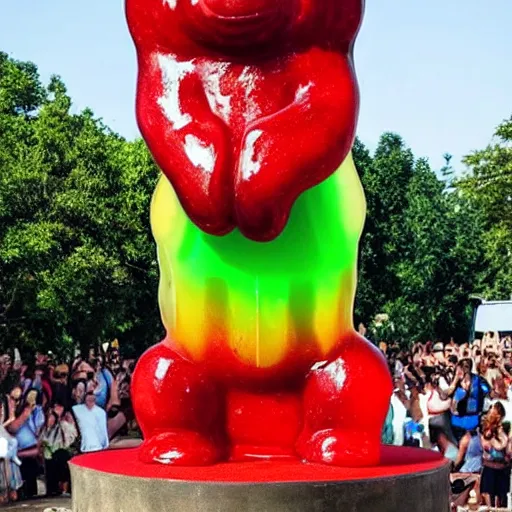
{"x":92,"y":424}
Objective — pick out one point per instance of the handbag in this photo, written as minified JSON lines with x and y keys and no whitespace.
{"x":436,"y":405}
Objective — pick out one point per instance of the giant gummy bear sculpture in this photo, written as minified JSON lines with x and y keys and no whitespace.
{"x":249,"y":107}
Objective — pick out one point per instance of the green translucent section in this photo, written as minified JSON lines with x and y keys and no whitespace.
{"x":319,"y":235}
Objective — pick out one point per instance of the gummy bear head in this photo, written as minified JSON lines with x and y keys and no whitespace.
{"x":243,"y":27}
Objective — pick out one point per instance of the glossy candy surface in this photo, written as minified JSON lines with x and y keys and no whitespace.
{"x":245,"y":104}
{"x":249,"y":107}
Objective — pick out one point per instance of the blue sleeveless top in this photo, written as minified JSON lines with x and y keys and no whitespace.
{"x":473,"y":458}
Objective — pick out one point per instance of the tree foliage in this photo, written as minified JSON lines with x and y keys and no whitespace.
{"x":77,"y":260}
{"x":488,"y":186}
{"x":420,"y":257}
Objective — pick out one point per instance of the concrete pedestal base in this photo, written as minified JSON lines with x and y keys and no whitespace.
{"x":408,"y":480}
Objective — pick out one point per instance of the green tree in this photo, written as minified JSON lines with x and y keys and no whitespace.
{"x":385,"y":178}
{"x":419,"y":269}
{"x":487,"y":186}
{"x":77,"y":258}
{"x":420,"y":255}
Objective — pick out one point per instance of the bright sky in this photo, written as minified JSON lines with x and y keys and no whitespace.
{"x":437,"y":72}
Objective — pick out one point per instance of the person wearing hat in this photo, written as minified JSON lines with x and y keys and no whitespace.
{"x":438,"y":351}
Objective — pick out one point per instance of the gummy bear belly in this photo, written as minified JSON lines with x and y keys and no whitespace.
{"x":263,"y":327}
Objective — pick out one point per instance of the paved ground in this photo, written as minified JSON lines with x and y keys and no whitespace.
{"x":40,"y":505}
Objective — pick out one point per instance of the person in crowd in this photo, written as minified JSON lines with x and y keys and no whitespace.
{"x":83,"y":380}
{"x":465,"y":351}
{"x":81,"y":370}
{"x":439,"y":354}
{"x":92,"y":425}
{"x":467,"y":467}
{"x":469,"y":456}
{"x":417,"y":355}
{"x":490,"y":342}
{"x":429,"y":358}
{"x":450,"y":367}
{"x":10,"y":476}
{"x":27,"y":378}
{"x":399,"y":404}
{"x":495,"y":480}
{"x":415,"y":432}
{"x":394,"y":362}
{"x":388,"y":434}
{"x":57,"y":440}
{"x":116,"y":418}
{"x":103,"y":379}
{"x":439,"y":408}
{"x":26,"y":427}
{"x":61,"y":392}
{"x":78,"y":391}
{"x":451,"y":350}
{"x":412,"y":371}
{"x":499,"y":394}
{"x":468,"y":392}
{"x":476,"y":353}
{"x":8,"y":374}
{"x":506,"y":343}
{"x":492,"y":372}
{"x":114,"y":361}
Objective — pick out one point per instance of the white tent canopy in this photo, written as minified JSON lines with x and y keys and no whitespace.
{"x":494,"y":316}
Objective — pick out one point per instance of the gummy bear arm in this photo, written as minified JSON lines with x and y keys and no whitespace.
{"x":298,"y":147}
{"x":188,"y":141}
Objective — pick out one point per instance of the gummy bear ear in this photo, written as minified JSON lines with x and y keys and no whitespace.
{"x":344,"y":18}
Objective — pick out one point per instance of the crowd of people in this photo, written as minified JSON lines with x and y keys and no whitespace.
{"x":51,"y":410}
{"x":457,"y":399}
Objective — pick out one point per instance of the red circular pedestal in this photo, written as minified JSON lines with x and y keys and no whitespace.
{"x":408,"y":479}
{"x":396,"y":461}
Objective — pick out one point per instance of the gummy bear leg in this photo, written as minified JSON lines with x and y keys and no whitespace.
{"x":345,"y":404}
{"x":179,"y":409}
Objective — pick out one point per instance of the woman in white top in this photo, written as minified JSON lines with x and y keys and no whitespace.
{"x":57,"y":438}
{"x":440,"y":431}
{"x":10,"y":474}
